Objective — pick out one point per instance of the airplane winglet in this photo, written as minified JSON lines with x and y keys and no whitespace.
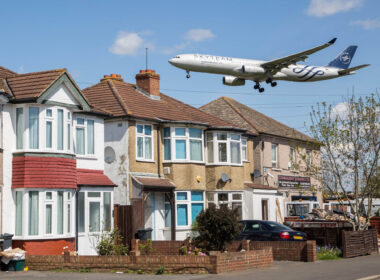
{"x":332,"y":41}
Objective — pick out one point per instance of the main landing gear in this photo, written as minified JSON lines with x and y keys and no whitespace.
{"x":269,"y":81}
{"x":187,"y":74}
{"x":257,"y":86}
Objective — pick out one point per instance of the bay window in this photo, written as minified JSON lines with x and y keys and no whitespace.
{"x":19,"y":220}
{"x":19,"y":128}
{"x":274,"y":155}
{"x":144,"y":142}
{"x":183,"y":144}
{"x":33,"y":127}
{"x":233,"y":200}
{"x":48,"y":213}
{"x":59,"y":129}
{"x":188,"y":204}
{"x":33,"y":213}
{"x":49,"y":129}
{"x":224,"y":148}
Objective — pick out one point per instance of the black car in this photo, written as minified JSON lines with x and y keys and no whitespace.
{"x":256,"y":230}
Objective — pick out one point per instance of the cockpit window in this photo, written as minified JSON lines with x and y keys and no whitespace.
{"x":177,"y":56}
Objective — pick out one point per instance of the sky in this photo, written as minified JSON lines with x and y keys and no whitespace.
{"x":95,"y":38}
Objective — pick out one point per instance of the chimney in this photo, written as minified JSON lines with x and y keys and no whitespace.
{"x":114,"y":77}
{"x":149,"y":81}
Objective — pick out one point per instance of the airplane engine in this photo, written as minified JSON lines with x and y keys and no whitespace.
{"x":253,"y":70}
{"x":233,"y":81}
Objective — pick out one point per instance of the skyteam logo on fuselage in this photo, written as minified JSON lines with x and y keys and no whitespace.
{"x":307,"y":73}
{"x":345,"y":58}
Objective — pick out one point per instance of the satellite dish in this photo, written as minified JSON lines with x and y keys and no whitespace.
{"x":224,"y":177}
{"x":256,"y":173}
{"x":109,"y":155}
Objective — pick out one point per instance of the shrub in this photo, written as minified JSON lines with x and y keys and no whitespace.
{"x":328,"y":253}
{"x":111,"y":243}
{"x":217,"y":227}
{"x":160,"y":270}
{"x":146,"y":248}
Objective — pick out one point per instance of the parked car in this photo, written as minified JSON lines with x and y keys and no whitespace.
{"x":256,"y":230}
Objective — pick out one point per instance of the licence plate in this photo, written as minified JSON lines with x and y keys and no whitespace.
{"x":297,"y":237}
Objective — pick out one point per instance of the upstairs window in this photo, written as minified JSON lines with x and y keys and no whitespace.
{"x":183,"y":144}
{"x":59,"y":129}
{"x":85,"y":132}
{"x":244,"y":149}
{"x":144,"y":141}
{"x":33,"y":127}
{"x":274,"y":155}
{"x":80,"y":142}
{"x":224,"y":148}
{"x":19,"y":128}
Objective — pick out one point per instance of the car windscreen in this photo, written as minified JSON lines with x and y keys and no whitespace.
{"x":276,"y":227}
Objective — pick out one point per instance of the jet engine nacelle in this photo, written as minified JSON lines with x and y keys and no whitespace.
{"x":233,"y":81}
{"x":253,"y":69}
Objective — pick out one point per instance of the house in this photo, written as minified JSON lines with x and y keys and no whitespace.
{"x":54,"y":194}
{"x":283,"y":156}
{"x":171,"y":160}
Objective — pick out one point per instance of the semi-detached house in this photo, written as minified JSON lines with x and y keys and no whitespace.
{"x":54,"y":194}
{"x":171,"y":160}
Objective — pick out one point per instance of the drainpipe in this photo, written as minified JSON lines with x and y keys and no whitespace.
{"x":76,"y":218}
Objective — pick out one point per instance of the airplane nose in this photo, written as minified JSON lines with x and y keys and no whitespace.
{"x":171,"y":61}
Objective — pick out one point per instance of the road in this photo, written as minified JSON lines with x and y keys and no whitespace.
{"x":363,"y":268}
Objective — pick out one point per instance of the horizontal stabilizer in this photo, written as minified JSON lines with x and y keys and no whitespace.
{"x":349,"y":70}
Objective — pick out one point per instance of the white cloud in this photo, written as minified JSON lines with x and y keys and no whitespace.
{"x":322,"y":8}
{"x":367,"y":23}
{"x":341,"y":110}
{"x":127,"y":43}
{"x":199,"y":35}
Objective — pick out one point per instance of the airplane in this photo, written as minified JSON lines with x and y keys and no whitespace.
{"x":238,"y":70}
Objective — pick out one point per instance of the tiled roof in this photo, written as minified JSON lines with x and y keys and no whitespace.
{"x":154,"y":182}
{"x":259,"y":186}
{"x":123,"y":99}
{"x":89,"y":177}
{"x":252,"y":120}
{"x":4,"y":72}
{"x":32,"y":85}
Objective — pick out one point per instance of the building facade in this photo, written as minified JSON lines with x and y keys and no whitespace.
{"x":55,"y":196}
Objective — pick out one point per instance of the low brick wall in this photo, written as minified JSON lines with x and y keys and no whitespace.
{"x":215,"y":263}
{"x":164,"y":247}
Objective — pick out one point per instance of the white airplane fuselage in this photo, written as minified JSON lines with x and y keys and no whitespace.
{"x":249,"y":69}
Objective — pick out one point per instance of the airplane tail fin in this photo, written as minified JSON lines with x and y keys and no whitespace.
{"x":343,"y":60}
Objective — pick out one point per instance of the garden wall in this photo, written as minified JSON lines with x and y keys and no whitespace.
{"x":359,"y":243}
{"x":215,"y":263}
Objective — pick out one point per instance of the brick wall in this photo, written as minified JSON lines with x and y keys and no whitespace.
{"x":45,"y":247}
{"x":215,"y":263}
{"x":164,"y":247}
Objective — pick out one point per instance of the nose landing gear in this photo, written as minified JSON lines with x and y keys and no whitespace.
{"x":187,"y":74}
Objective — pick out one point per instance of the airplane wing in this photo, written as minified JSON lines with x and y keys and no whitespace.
{"x":276,"y":65}
{"x":349,"y":70}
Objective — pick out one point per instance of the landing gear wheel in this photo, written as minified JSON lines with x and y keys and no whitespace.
{"x":273,"y":84}
{"x":268,"y":81}
{"x":188,"y":75}
{"x":261,"y":89}
{"x":256,"y":86}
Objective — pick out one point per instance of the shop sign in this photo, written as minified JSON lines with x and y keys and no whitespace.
{"x":293,"y":181}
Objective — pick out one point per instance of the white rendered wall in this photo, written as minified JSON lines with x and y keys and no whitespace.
{"x":116,"y":137}
{"x":270,"y":196}
{"x":62,"y":95}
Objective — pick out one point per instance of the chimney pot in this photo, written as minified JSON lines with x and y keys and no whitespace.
{"x":114,"y":77}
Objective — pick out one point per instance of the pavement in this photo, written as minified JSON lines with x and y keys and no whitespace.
{"x":360,"y":268}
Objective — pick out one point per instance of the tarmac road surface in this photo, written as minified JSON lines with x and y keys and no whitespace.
{"x":360,"y":268}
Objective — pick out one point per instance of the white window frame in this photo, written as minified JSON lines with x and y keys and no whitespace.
{"x":230,"y":199}
{"x":244,"y":155}
{"x":187,"y":139}
{"x":228,"y":141}
{"x":74,"y":135}
{"x":139,"y":134}
{"x":188,"y":202}
{"x":50,"y":119}
{"x":274,"y":162}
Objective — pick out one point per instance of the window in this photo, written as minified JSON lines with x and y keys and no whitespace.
{"x":48,"y":219}
{"x":291,"y":158}
{"x":81,"y":213}
{"x":60,"y":129}
{"x":49,"y":129}
{"x":297,"y":209}
{"x":68,"y":130}
{"x":244,"y":150}
{"x":19,"y":197}
{"x":33,"y":127}
{"x":224,"y":148}
{"x":90,"y":137}
{"x":19,"y":128}
{"x":107,"y":211}
{"x":144,"y":142}
{"x":33,"y":213}
{"x":233,"y":200}
{"x":183,"y":144}
{"x":308,"y":159}
{"x":80,"y":148}
{"x":60,"y":213}
{"x":189,"y":205}
{"x":274,"y":155}
{"x":94,"y":216}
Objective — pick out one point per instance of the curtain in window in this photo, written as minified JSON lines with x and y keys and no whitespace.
{"x":140,"y":147}
{"x":182,"y":214}
{"x":167,"y":152}
{"x":235,"y":152}
{"x":19,"y":128}
{"x":168,"y":215}
{"x":60,"y":130}
{"x":90,"y":137}
{"x":94,"y":216}
{"x":60,"y":213}
{"x":80,"y":140}
{"x":81,"y":212}
{"x":33,"y":213}
{"x":196,"y":150}
{"x":107,"y":211}
{"x":48,"y":217}
{"x":33,"y":127}
{"x":180,"y":149}
{"x":148,"y":147}
{"x":196,"y":208}
{"x":18,"y":230}
{"x":222,"y":147}
{"x":49,"y":126}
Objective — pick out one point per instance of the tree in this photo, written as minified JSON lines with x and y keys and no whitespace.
{"x":350,"y":139}
{"x":217,"y":227}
